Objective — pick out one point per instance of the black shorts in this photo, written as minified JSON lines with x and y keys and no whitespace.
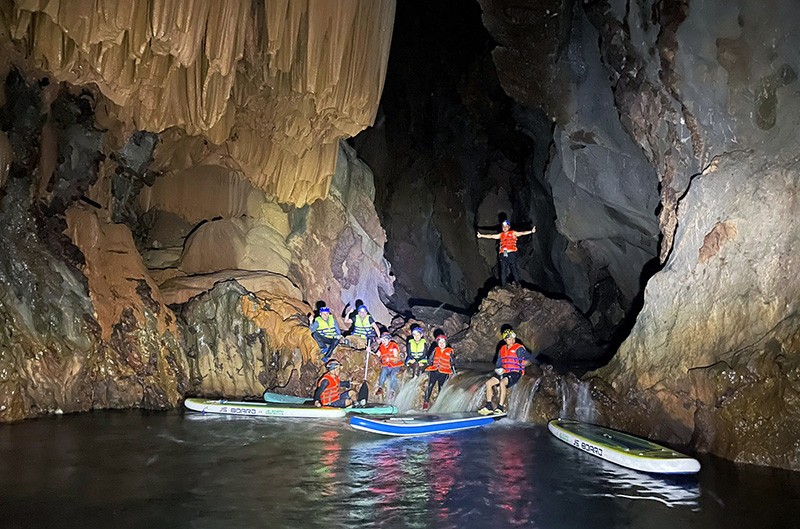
{"x":513,"y":377}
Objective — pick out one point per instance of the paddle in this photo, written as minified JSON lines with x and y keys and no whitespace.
{"x":363,"y":391}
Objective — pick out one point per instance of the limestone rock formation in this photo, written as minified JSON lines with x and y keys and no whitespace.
{"x":707,"y":92}
{"x":603,"y":187}
{"x":272,"y":85}
{"x":76,"y":336}
{"x":238,"y":343}
{"x":716,"y":345}
{"x":553,"y":329}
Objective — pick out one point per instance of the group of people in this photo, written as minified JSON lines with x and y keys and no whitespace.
{"x":437,"y":361}
{"x":328,"y":335}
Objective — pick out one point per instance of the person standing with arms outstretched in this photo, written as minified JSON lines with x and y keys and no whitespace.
{"x":508,"y":250}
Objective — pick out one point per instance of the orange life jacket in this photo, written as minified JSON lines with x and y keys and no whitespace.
{"x":509,"y":359}
{"x":442,"y":360}
{"x":508,"y":241}
{"x":390,"y":355}
{"x":332,"y":392}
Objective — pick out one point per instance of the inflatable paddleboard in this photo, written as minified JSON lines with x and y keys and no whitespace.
{"x":370,"y":408}
{"x":623,"y":449}
{"x":258,"y":409}
{"x":422,"y":424}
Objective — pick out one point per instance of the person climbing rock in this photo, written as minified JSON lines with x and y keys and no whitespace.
{"x":416,"y":351}
{"x":508,"y":250}
{"x":329,"y":388}
{"x":325,"y":331}
{"x":511,"y":363}
{"x":363,"y":325}
{"x":391,"y":363}
{"x":440,"y":369}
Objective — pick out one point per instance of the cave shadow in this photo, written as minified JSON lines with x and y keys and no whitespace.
{"x":432,"y":303}
{"x":623,"y":330}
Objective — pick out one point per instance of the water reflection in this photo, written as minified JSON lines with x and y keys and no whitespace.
{"x":631,"y":484}
{"x":194,"y":471}
{"x":509,"y":480}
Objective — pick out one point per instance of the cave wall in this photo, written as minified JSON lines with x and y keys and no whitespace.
{"x":146,"y":157}
{"x":707,"y":106}
{"x":83,"y":325}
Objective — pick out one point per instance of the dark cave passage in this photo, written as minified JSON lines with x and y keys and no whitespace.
{"x":453,"y":154}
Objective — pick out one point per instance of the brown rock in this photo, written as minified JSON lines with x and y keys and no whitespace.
{"x":549,"y":327}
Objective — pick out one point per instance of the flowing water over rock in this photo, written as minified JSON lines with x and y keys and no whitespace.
{"x":186,"y":470}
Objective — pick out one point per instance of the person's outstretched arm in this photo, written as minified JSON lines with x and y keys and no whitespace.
{"x":488,"y":235}
{"x":528,"y":232}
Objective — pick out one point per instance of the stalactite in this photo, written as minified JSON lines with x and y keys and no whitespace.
{"x":272,"y":86}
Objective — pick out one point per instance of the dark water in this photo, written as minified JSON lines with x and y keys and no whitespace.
{"x":134,"y":469}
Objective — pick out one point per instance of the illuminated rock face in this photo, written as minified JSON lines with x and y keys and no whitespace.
{"x":83,"y":325}
{"x":183,"y":139}
{"x":706,"y":94}
{"x":271,"y":85}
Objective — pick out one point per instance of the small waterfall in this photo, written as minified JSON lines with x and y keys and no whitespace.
{"x":409,"y":396}
{"x":464,"y":392}
{"x":576,"y":401}
{"x":521,"y":398}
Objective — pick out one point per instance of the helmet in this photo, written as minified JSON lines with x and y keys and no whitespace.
{"x":506,"y":222}
{"x":324,"y":309}
{"x":416,"y":328}
{"x":362,"y":307}
{"x":441,"y":337}
{"x":333,"y":364}
{"x":509,"y":332}
{"x":386,"y":335}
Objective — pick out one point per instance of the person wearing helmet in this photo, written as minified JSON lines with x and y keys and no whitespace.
{"x":511,"y":362}
{"x":508,"y":250}
{"x":329,"y":388}
{"x":416,"y":351}
{"x":325,"y":331}
{"x":440,"y":369}
{"x":363,"y":324}
{"x":391,"y":363}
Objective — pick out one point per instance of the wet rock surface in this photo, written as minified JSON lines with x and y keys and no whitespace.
{"x":552,"y":329}
{"x":57,"y":354}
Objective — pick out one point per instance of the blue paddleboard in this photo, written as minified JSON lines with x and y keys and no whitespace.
{"x":422,"y":424}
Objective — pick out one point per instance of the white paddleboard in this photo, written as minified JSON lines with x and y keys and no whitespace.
{"x":259,"y":409}
{"x":621,"y":448}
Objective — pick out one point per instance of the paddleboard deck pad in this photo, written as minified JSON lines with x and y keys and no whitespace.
{"x":370,"y":408}
{"x":422,"y":424}
{"x":623,"y":449}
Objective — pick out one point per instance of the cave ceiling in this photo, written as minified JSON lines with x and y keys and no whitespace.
{"x":268,"y":88}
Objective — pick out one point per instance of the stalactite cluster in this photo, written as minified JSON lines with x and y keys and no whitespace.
{"x":271,"y":86}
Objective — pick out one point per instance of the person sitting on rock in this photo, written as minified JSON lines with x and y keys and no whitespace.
{"x":511,"y":363}
{"x":391,"y":363}
{"x":416,"y":351}
{"x":508,"y":250}
{"x":364,"y":325}
{"x":325,"y":331}
{"x":329,"y":388}
{"x":440,"y":369}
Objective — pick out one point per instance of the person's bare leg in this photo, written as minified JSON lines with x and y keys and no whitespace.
{"x":490,"y":384}
{"x":503,"y":392}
